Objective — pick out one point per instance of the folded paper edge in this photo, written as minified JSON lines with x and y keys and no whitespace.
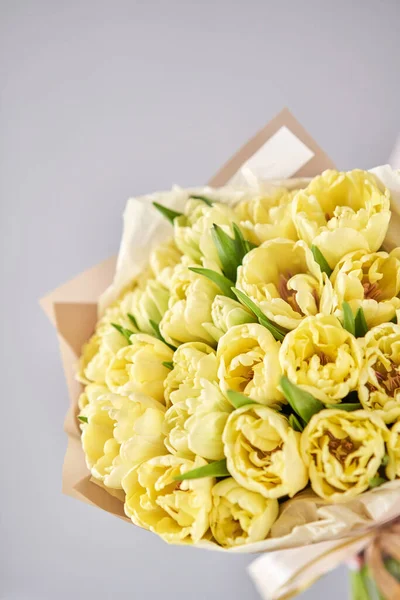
{"x":72,"y":291}
{"x":318,"y":163}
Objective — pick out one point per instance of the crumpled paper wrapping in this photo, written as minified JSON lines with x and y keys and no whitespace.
{"x":72,"y":308}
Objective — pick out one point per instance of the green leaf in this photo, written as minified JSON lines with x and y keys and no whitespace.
{"x":203,"y":199}
{"x":295,"y":423}
{"x":231,"y":251}
{"x":385,"y":460}
{"x":83,"y":419}
{"x":393,"y":566}
{"x":348,"y":406}
{"x":394,"y":320}
{"x":241,"y":244}
{"x":169,"y":365}
{"x":133,"y":321}
{"x":157,"y":334}
{"x":359,"y":583}
{"x":168,"y":213}
{"x":227,"y":252}
{"x":276,"y":331}
{"x":238,"y":400}
{"x":250,"y":246}
{"x":224,"y":284}
{"x":125,"y":332}
{"x":321,"y":260}
{"x":349,"y":322}
{"x":361,"y":323}
{"x":302,"y":402}
{"x":376,"y":481}
{"x":214,"y":469}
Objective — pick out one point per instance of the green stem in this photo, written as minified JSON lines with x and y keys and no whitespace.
{"x":359,"y":585}
{"x":362,"y":586}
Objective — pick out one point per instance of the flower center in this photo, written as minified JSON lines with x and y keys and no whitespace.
{"x":340,"y":449}
{"x":262,"y":454}
{"x":372,"y":291}
{"x":287,"y":294}
{"x":323,"y":359}
{"x":242,"y":368}
{"x":389,"y":379}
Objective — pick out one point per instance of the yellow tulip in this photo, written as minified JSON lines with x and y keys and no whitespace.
{"x":194,"y":425}
{"x":163,"y":259}
{"x":98,"y":352}
{"x":92,"y":394}
{"x":371,"y":282}
{"x":284,"y":280}
{"x":189,"y":308}
{"x":265,"y":218}
{"x":343,"y":452}
{"x":227,"y":313}
{"x":179,"y":512}
{"x":192,"y":231}
{"x":138,"y":431}
{"x":379,"y":386}
{"x":342,"y":212}
{"x":98,"y":442}
{"x":192,"y":362}
{"x":139,"y":368}
{"x":239,"y":516}
{"x":321,"y":357}
{"x":148,"y":303}
{"x":248,"y":363}
{"x":263,"y":453}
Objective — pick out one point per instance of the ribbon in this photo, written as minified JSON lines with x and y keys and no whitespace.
{"x":385,"y":544}
{"x":283,"y":574}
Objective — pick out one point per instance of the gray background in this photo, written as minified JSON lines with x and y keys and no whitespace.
{"x":102,"y":100}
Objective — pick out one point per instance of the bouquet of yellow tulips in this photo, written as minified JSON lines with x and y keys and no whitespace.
{"x":257,"y":354}
{"x":242,"y":385}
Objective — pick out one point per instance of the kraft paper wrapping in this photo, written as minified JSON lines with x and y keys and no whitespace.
{"x":282,"y":152}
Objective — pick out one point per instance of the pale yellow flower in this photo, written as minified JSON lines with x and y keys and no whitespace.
{"x":194,"y":422}
{"x":240,"y":516}
{"x":321,"y":357}
{"x":227,"y":313}
{"x":98,"y":352}
{"x":138,"y":430}
{"x":93,"y":362}
{"x":189,"y":308}
{"x":263,"y":452}
{"x":98,"y":443}
{"x":91,"y":394}
{"x":248,"y":362}
{"x":393,"y":449}
{"x":138,"y":368}
{"x":146,"y":304}
{"x":192,"y":231}
{"x":343,"y":452}
{"x":192,"y":362}
{"x":369,"y":281}
{"x":284,"y":280}
{"x":342,"y":212}
{"x":267,"y":217}
{"x":103,"y":467}
{"x":179,"y":512}
{"x":163,"y":259}
{"x":379,"y":387}
{"x":194,"y":425}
